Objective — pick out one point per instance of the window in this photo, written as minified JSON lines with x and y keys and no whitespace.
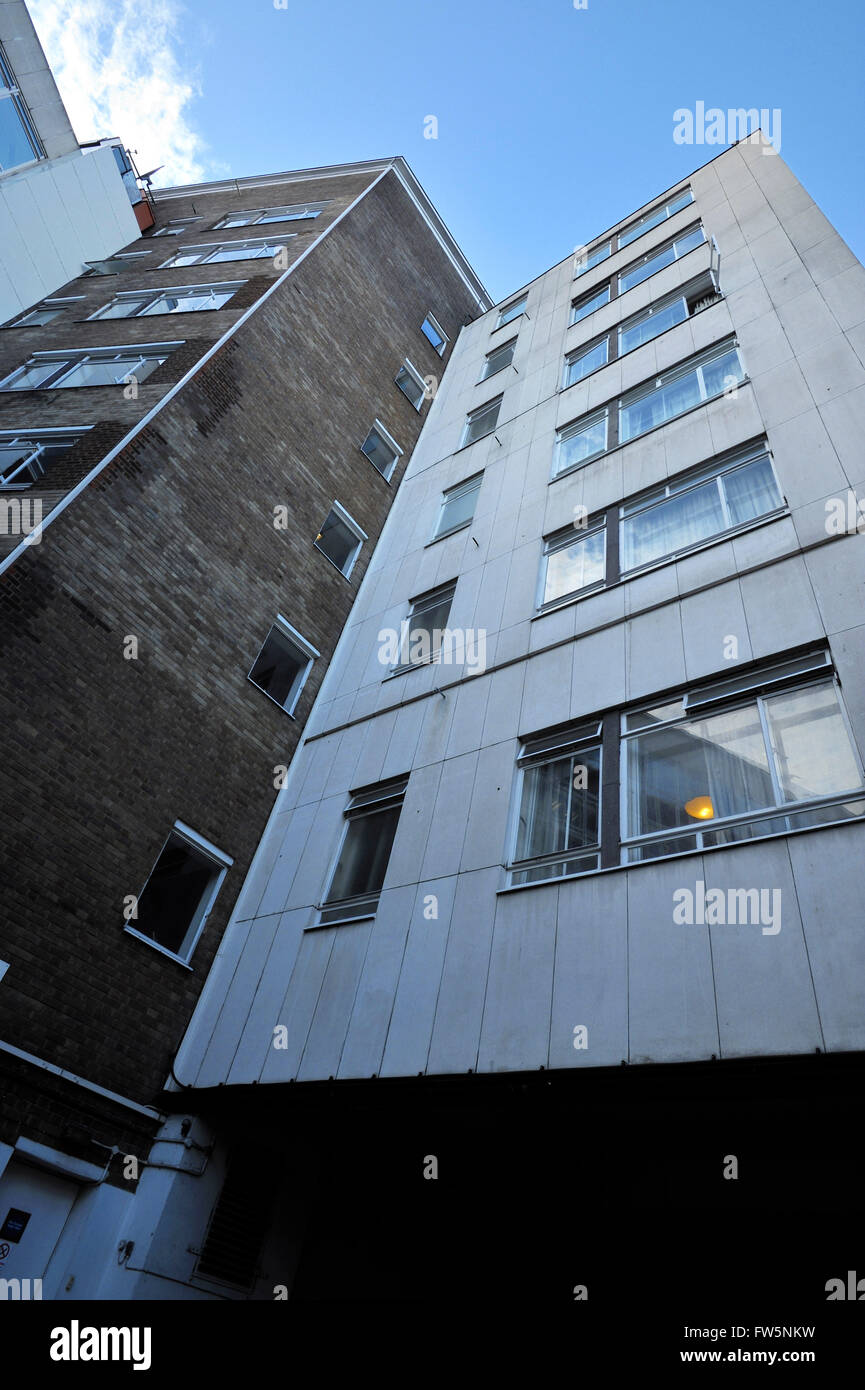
{"x":458,"y":506}
{"x":372,"y":817}
{"x":558,"y":825}
{"x":512,"y":311}
{"x":188,"y":299}
{"x":423,"y":631}
{"x":437,"y":336}
{"x":680,"y":389}
{"x":699,"y":505}
{"x":498,"y":359}
{"x":481,"y":421}
{"x":340,"y":539}
{"x":177,"y":897}
{"x":583,"y":307}
{"x":765,"y":752}
{"x":657,"y":260}
{"x":45,"y":312}
{"x":294,"y":212}
{"x":381,"y":449}
{"x":26,"y":454}
{"x":580,"y":442}
{"x":411,"y":383}
{"x":283,"y":664}
{"x":574,"y":561}
{"x":176,"y":227}
{"x":776,"y":740}
{"x":593,"y":258}
{"x":112,"y":265}
{"x":98,"y":367}
{"x":648,"y":324}
{"x":655,"y":217}
{"x":19,"y":143}
{"x":256,"y":250}
{"x":585,"y":360}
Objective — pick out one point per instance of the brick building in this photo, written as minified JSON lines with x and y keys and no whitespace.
{"x":200,"y":439}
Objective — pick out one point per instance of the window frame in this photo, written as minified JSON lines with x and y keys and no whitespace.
{"x":539,"y":750}
{"x":471,"y":415}
{"x":31,"y":134}
{"x":54,"y":303}
{"x":644,"y":224}
{"x":145,"y":298}
{"x":510,"y":312}
{"x":176,"y":226}
{"x":423,"y":603}
{"x":378,"y":428}
{"x":437,"y":329}
{"x":502,"y":347}
{"x":40,"y":436}
{"x":656,"y":253}
{"x":259,"y":217}
{"x":305,"y":648}
{"x":363,"y":802}
{"x":592,"y":258}
{"x":453,"y":494}
{"x":269,"y":249}
{"x":562,"y":540}
{"x":411,"y":370}
{"x":67,"y":360}
{"x":359,"y":534}
{"x":578,"y":353}
{"x":586,"y":299}
{"x":222,"y":863}
{"x":680,"y":372}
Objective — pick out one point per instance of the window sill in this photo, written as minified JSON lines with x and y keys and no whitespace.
{"x":163,"y":950}
{"x":340,"y":921}
{"x":446,"y":535}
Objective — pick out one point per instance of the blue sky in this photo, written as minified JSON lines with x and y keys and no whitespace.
{"x":553,"y":122}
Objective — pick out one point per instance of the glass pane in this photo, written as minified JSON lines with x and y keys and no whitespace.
{"x":751,"y":491}
{"x":642,"y":272}
{"x":409,"y":386}
{"x":237,"y":219}
{"x":681,"y":521}
{"x":278,"y":667}
{"x":498,"y":360}
{"x":649,"y":327}
{"x":582,"y":311}
{"x":458,"y":510}
{"x":168,"y":905}
{"x":32,"y":376}
{"x":239,"y":253}
{"x":38,"y":316}
{"x":575,"y":566}
{"x":337,"y":541}
{"x":512,"y":312}
{"x":578,"y":367}
{"x":187,"y":257}
{"x":378,"y":452}
{"x":431,"y":622}
{"x":810,"y":744}
{"x":718,"y":374}
{"x":595,"y":257}
{"x":365,"y":853}
{"x":123,"y":309}
{"x":436,"y":338}
{"x":583,"y":444}
{"x":690,"y":241}
{"x":716,"y":765}
{"x":660,"y":405}
{"x":556,"y":814}
{"x":15,"y":144}
{"x":482,"y":422}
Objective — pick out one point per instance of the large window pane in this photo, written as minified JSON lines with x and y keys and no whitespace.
{"x":588,"y":306}
{"x":722,"y":372}
{"x":555,"y":814}
{"x":581,"y":443}
{"x":578,"y":367}
{"x":673,"y":525}
{"x":650,"y":267}
{"x":751,"y":491}
{"x":660,"y":405}
{"x":575,"y":566}
{"x":648,"y":327}
{"x":718,"y":764}
{"x":810,"y":744}
{"x":364,"y":856}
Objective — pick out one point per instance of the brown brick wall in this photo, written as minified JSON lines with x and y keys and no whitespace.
{"x":174,"y":543}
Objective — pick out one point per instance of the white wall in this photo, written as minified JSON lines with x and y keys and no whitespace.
{"x":54,"y":215}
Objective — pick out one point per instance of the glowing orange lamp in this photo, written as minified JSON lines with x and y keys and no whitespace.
{"x":700,"y":807}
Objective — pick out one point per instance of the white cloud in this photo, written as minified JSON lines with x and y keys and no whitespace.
{"x":120,"y":72}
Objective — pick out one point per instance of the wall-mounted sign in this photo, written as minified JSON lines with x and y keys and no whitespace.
{"x":14,"y":1226}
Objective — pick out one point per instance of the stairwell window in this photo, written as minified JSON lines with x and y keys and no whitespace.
{"x":382,"y":450}
{"x":176,"y":900}
{"x":711,"y":374}
{"x":481,"y":422}
{"x":558,"y":823}
{"x":372,"y":817}
{"x":283,"y":665}
{"x":432,"y":330}
{"x":655,"y":217}
{"x":512,"y":311}
{"x":340,"y":539}
{"x":658,"y":260}
{"x":458,"y":506}
{"x":411,"y":383}
{"x":95,"y":367}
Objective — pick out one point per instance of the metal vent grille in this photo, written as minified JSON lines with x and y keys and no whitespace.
{"x":238,"y":1223}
